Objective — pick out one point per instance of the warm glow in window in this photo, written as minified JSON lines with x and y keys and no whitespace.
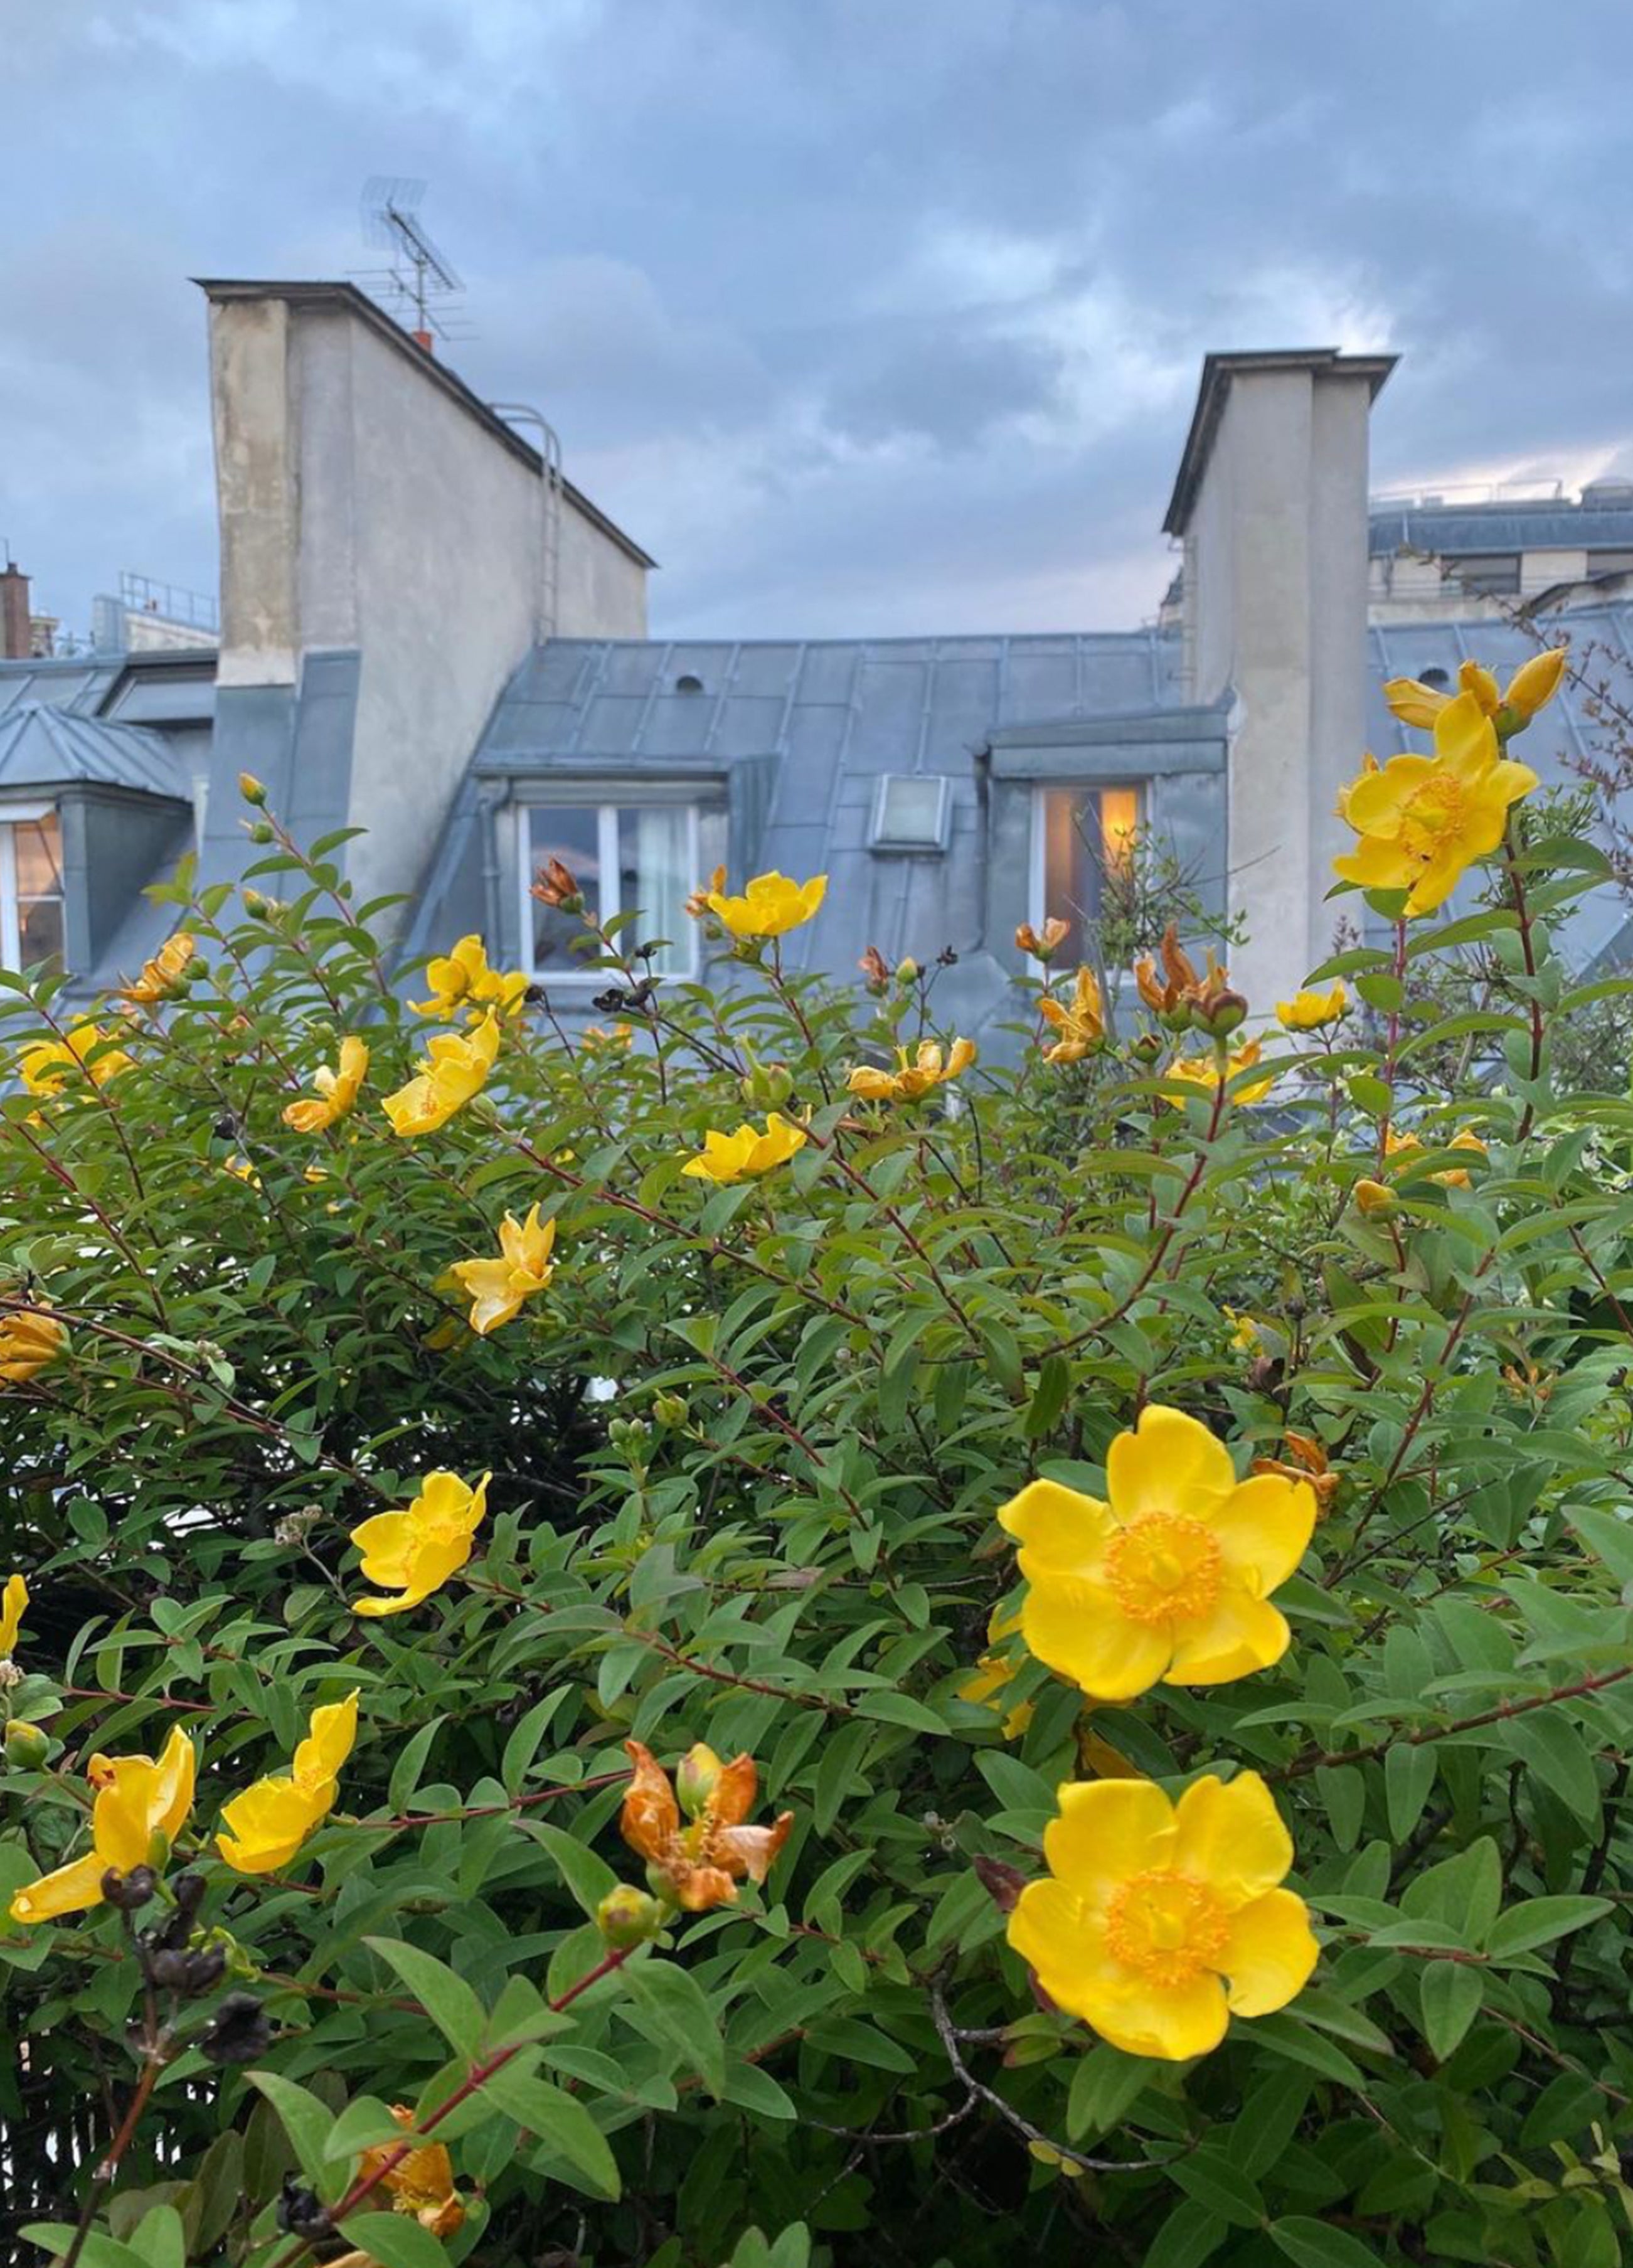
{"x":1084,"y":836}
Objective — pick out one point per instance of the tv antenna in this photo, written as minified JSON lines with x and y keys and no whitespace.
{"x":419,"y":281}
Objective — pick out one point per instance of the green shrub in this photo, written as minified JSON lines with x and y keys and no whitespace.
{"x":747,"y":1444}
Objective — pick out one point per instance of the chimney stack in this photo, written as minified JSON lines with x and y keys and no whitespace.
{"x":1271,"y":505}
{"x":16,"y":641}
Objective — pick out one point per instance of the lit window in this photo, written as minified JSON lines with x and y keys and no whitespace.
{"x":627,"y":858}
{"x":1083,"y":839}
{"x":31,"y":886}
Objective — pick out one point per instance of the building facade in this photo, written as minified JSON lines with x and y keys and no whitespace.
{"x":427,"y":633}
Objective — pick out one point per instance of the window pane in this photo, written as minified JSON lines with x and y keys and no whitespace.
{"x":654,"y":857}
{"x":39,"y":922}
{"x":571,"y":833}
{"x":39,"y":856}
{"x":1088,"y":834}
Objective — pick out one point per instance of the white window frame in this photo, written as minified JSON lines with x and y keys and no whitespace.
{"x":1038,"y":912}
{"x":13,"y":814}
{"x":606,"y":807}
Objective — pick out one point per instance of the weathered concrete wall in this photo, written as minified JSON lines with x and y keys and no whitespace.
{"x":370,"y":506}
{"x":1276,"y":597}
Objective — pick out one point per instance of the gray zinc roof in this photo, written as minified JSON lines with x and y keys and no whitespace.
{"x":823,"y":720}
{"x":1454,"y":529}
{"x":43,"y":746}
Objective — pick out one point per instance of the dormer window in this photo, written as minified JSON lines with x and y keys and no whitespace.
{"x":31,"y":885}
{"x":638,"y":855}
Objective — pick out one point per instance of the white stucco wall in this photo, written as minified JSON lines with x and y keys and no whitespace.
{"x":1276,"y":580}
{"x":365,"y":506}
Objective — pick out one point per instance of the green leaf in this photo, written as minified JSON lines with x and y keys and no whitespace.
{"x":1313,"y":2245}
{"x":307,"y":2123}
{"x":364,"y":2123}
{"x":1557,"y":1755}
{"x":1408,"y":1775}
{"x":1452,"y":1993}
{"x":900,"y":1709}
{"x":1049,"y":1397}
{"x":1208,"y":2177}
{"x":678,"y":2008}
{"x":54,"y":2237}
{"x":447,"y":1999}
{"x":587,"y":1876}
{"x":1608,"y":1538}
{"x":394,"y":2239}
{"x":1106,"y":2084}
{"x":405,"y":1775}
{"x":1189,"y":2236}
{"x":1539,"y":1921}
{"x":561,"y":2123}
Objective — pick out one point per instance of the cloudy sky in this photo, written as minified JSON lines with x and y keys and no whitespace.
{"x":861,"y":314}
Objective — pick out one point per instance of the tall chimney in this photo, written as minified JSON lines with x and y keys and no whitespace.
{"x":16,"y":644}
{"x":1272,"y":504}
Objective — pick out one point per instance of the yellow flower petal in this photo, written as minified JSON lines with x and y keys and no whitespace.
{"x":267,"y":1826}
{"x":1233,"y":1836}
{"x":1108,"y":1831}
{"x":72,"y":1888}
{"x":1170,"y":1463}
{"x":1242,"y":1634}
{"x":1171,"y":2023}
{"x":1079,"y":1629}
{"x":1059,"y":1530}
{"x":1264,"y":1528}
{"x":1270,"y":1954}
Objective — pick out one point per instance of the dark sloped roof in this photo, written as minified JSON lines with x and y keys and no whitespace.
{"x":42,"y":745}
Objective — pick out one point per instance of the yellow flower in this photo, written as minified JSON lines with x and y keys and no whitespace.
{"x":267,"y":1824}
{"x":28,"y":1342}
{"x":414,"y":1550}
{"x":496,"y":1288}
{"x":742,"y":1156}
{"x":1423,"y":820}
{"x":700,"y":1864}
{"x":241,"y":1170}
{"x":1307,"y":1012}
{"x":770,"y":906}
{"x":421,"y":2183}
{"x":46,"y":1065}
{"x":1244,"y":1334}
{"x":1079,"y":1025}
{"x":251,"y":789}
{"x":913,"y":1076}
{"x":1372,"y":1197}
{"x":462,"y":979}
{"x":454,"y":1070}
{"x":337,"y":1091}
{"x":597,"y":1040}
{"x":1171,"y":1579}
{"x":1204,"y":1072}
{"x":1157,"y":1921}
{"x":1454,"y":1177}
{"x":995,"y":1672}
{"x":1532,"y":687}
{"x":139,"y":1809}
{"x":1307,"y":1461}
{"x":697,"y":904}
{"x":13,"y":1607}
{"x":161,"y":975}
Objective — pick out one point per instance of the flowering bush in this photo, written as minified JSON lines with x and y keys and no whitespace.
{"x":975,"y":1664}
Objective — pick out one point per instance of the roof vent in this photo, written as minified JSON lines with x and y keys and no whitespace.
{"x":911,"y":811}
{"x":1435,"y":677}
{"x":688,"y":684}
{"x":1607,"y":494}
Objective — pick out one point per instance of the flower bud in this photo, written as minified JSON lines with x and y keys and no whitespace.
{"x":251,"y":789}
{"x":1218,"y":1011}
{"x":695,"y":1781}
{"x":1531,"y":685}
{"x":907,"y":972}
{"x":671,"y":1408}
{"x":1373,"y":1197}
{"x":768,"y":1087}
{"x":627,"y":1918}
{"x":27,"y":1746}
{"x":1146,"y":1049}
{"x":262,"y":832}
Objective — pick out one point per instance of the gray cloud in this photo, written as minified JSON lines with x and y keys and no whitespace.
{"x":861,"y":316}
